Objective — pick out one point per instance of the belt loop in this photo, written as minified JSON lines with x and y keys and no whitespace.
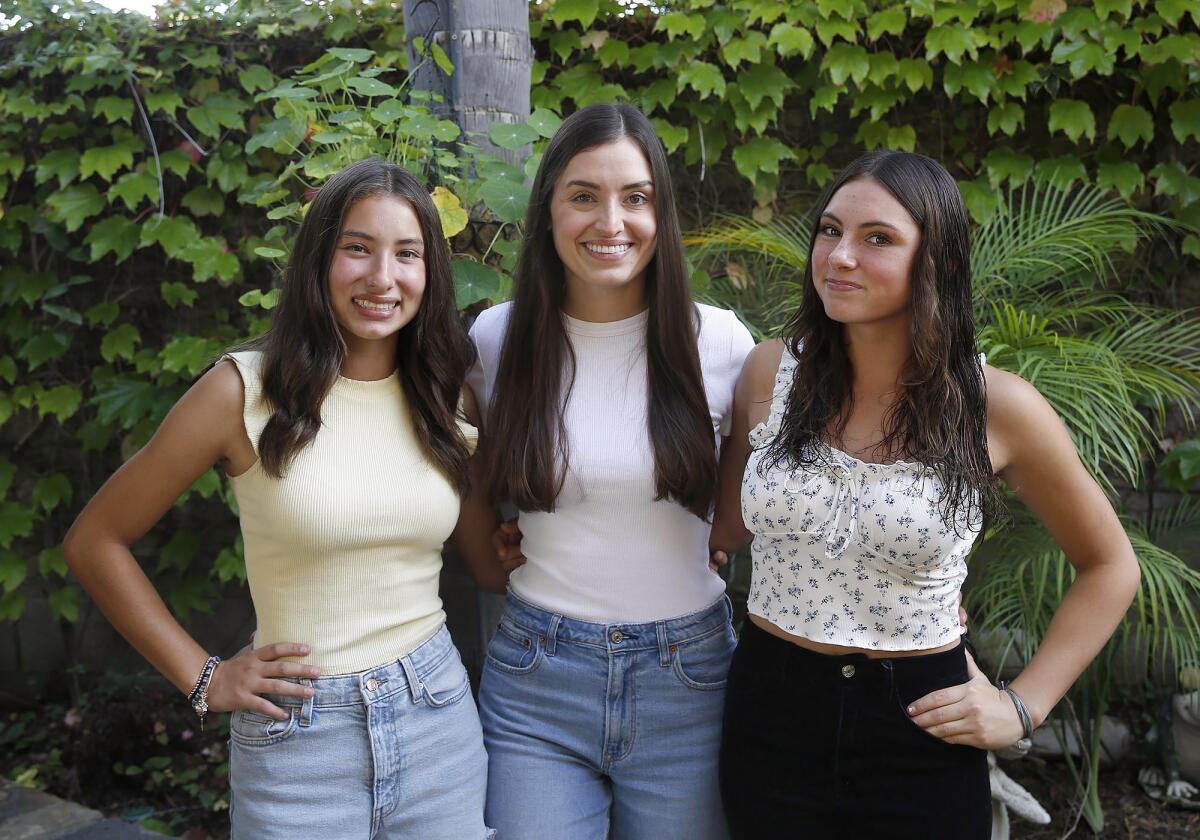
{"x":414,"y":682}
{"x":664,"y":647}
{"x":552,"y":634}
{"x":306,"y":707}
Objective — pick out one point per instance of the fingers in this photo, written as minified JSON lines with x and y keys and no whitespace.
{"x":962,"y":617}
{"x":973,"y":669}
{"x":717,"y":559}
{"x":936,"y":700}
{"x":265,"y":707}
{"x":286,"y":689}
{"x":290,"y":669}
{"x":279,"y":650}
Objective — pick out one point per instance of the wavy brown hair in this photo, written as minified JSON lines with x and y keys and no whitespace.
{"x":526,"y":454}
{"x":940,"y":416}
{"x":303,"y":351}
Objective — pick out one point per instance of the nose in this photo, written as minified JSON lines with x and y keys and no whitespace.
{"x":379,"y":273}
{"x":842,"y":256}
{"x":608,"y":218}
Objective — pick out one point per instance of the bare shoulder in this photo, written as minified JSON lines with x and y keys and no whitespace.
{"x":756,"y":385}
{"x":1021,"y":424}
{"x":1012,"y":401}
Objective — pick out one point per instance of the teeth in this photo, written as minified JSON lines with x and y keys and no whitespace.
{"x":378,"y":307}
{"x":607,"y":249}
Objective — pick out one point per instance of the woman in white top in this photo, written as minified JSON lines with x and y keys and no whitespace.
{"x":862,"y":462}
{"x":607,"y":391}
{"x":339,"y":433}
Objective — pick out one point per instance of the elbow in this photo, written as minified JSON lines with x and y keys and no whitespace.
{"x":73,"y":548}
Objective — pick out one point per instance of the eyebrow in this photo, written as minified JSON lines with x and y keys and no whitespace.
{"x":873,"y":223}
{"x":589,"y":185}
{"x":358,"y":234}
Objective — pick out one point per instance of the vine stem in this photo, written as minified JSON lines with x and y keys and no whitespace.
{"x":137,"y":100}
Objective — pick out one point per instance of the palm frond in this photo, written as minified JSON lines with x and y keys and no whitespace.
{"x":783,"y":241}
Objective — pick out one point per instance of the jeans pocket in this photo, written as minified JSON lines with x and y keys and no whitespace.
{"x":514,"y":650}
{"x":703,"y":663}
{"x":251,"y":729}
{"x":447,"y":683}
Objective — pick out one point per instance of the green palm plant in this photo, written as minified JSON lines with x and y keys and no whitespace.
{"x":1053,"y":304}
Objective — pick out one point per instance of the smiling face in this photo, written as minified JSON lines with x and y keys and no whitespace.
{"x":863,"y":254}
{"x":377,"y":275}
{"x":602,"y":218}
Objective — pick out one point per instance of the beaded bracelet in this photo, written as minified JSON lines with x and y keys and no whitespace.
{"x":199,"y":696}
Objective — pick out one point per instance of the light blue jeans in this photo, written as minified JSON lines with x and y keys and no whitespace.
{"x":393,"y":752}
{"x":595,"y":728}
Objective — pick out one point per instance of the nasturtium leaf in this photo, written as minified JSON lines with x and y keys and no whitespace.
{"x":1129,"y":124}
{"x":15,"y":521}
{"x":114,"y":108}
{"x":1060,"y":172}
{"x":175,"y":293}
{"x":1123,"y":176}
{"x":889,"y":21}
{"x":217,"y":111}
{"x":168,"y":101}
{"x":789,"y":39}
{"x":134,"y":188}
{"x":271,"y":253}
{"x":953,"y":41}
{"x":760,"y":154}
{"x":544,"y":122}
{"x":119,"y":342}
{"x":1185,"y":119}
{"x":259,"y":298}
{"x":356,"y":54}
{"x":507,"y":199}
{"x":65,"y":603}
{"x":702,"y":77}
{"x":115,"y":234}
{"x":473,"y":281}
{"x":1006,"y":117}
{"x":102,"y":314}
{"x":45,"y":346}
{"x":204,"y":201}
{"x":105,"y":161}
{"x":512,"y":135}
{"x":1073,"y":117}
{"x":846,"y":61}
{"x":916,"y":73}
{"x":390,"y":110}
{"x":450,"y":211}
{"x":62,"y":164}
{"x":62,"y":401}
{"x":1003,"y":164}
{"x":50,"y":491}
{"x":172,"y":233}
{"x":370,"y":87}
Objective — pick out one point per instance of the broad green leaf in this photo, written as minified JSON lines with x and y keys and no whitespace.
{"x":846,"y":61}
{"x":390,"y":110}
{"x":50,"y":561}
{"x":49,"y":492}
{"x":450,"y":211}
{"x":188,"y":354}
{"x":1123,"y":176}
{"x":704,"y":78}
{"x":15,"y":521}
{"x":74,"y":204}
{"x":175,"y":293}
{"x":229,"y":564}
{"x":748,"y":49}
{"x":8,"y":372}
{"x":441,"y":59}
{"x":1084,"y":58}
{"x":256,"y":77}
{"x":173,"y":234}
{"x":1061,"y":172}
{"x":953,"y":41}
{"x":903,"y":137}
{"x":564,"y":11}
{"x":1073,"y":118}
{"x":677,"y":24}
{"x":763,"y":81}
{"x":888,"y":21}
{"x":228,"y":169}
{"x":13,"y":570}
{"x":102,"y":314}
{"x":12,"y":606}
{"x":975,"y":77}
{"x":1173,"y":180}
{"x":210,"y":257}
{"x":119,"y":342}
{"x":512,"y":135}
{"x":273,"y":253}
{"x":125,"y":400}
{"x":45,"y":346}
{"x":356,"y":54}
{"x":507,"y":199}
{"x":114,"y":108}
{"x":370,"y":87}
{"x":62,"y":401}
{"x":217,"y":111}
{"x":981,"y":200}
{"x":545,"y":122}
{"x":613,"y":52}
{"x":1006,"y":117}
{"x":105,"y":161}
{"x":133,"y":188}
{"x":1004,"y":164}
{"x":1185,"y":119}
{"x":828,"y":29}
{"x":115,"y":234}
{"x":258,"y":298}
{"x":176,"y":161}
{"x":65,"y":604}
{"x":11,"y":164}
{"x":1129,"y":124}
{"x":474,"y":281}
{"x":62,"y":164}
{"x":167,"y":101}
{"x":760,"y":154}
{"x":280,"y":135}
{"x":204,"y":201}
{"x":916,"y":73}
{"x":659,"y":95}
{"x":789,"y":39}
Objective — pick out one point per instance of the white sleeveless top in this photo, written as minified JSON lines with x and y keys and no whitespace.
{"x":851,"y":553}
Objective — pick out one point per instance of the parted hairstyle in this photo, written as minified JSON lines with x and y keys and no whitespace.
{"x":304,"y":350}
{"x":526,"y":453}
{"x":939,"y":418}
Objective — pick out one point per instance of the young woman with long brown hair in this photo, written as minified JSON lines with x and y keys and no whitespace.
{"x":606,"y":391}
{"x":339,"y":434}
{"x":863,"y":462}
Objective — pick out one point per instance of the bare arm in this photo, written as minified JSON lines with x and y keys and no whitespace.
{"x":478,"y":520}
{"x":1033,"y":453}
{"x":204,"y":428}
{"x":751,"y":406}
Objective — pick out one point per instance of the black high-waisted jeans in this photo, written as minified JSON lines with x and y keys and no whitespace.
{"x":819,"y":747}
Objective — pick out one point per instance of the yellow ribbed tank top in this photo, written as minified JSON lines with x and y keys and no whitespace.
{"x":344,"y":552}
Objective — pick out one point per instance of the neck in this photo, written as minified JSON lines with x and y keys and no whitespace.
{"x":368,"y":361}
{"x":878,"y":353}
{"x":601,"y":305}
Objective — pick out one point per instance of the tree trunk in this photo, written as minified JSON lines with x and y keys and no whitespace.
{"x":488,"y":44}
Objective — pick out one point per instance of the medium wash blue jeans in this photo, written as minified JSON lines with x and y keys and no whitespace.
{"x":393,"y":752}
{"x":598,"y":728}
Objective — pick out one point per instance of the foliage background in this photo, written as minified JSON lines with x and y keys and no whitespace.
{"x":152,"y":173}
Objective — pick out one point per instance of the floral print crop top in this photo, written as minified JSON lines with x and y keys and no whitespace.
{"x":848,"y":552}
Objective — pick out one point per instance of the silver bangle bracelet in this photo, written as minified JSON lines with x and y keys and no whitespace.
{"x":1023,"y":743}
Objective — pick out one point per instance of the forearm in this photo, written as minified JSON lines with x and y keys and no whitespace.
{"x":1089,"y":613}
{"x":112,"y":577}
{"x":729,"y":533}
{"x":472,"y":538}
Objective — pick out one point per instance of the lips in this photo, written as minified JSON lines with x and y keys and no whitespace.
{"x":841,"y":285}
{"x":375,"y":304}
{"x":608,"y":248}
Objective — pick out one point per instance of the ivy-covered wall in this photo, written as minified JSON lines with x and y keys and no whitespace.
{"x":151,"y":174}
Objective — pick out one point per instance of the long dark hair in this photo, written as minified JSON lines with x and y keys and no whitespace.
{"x":303,"y":351}
{"x":940,"y":416}
{"x":526,"y":454}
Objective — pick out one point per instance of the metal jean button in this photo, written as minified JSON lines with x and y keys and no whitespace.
{"x":616,"y":637}
{"x":372,"y":684}
{"x":847,"y":671}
